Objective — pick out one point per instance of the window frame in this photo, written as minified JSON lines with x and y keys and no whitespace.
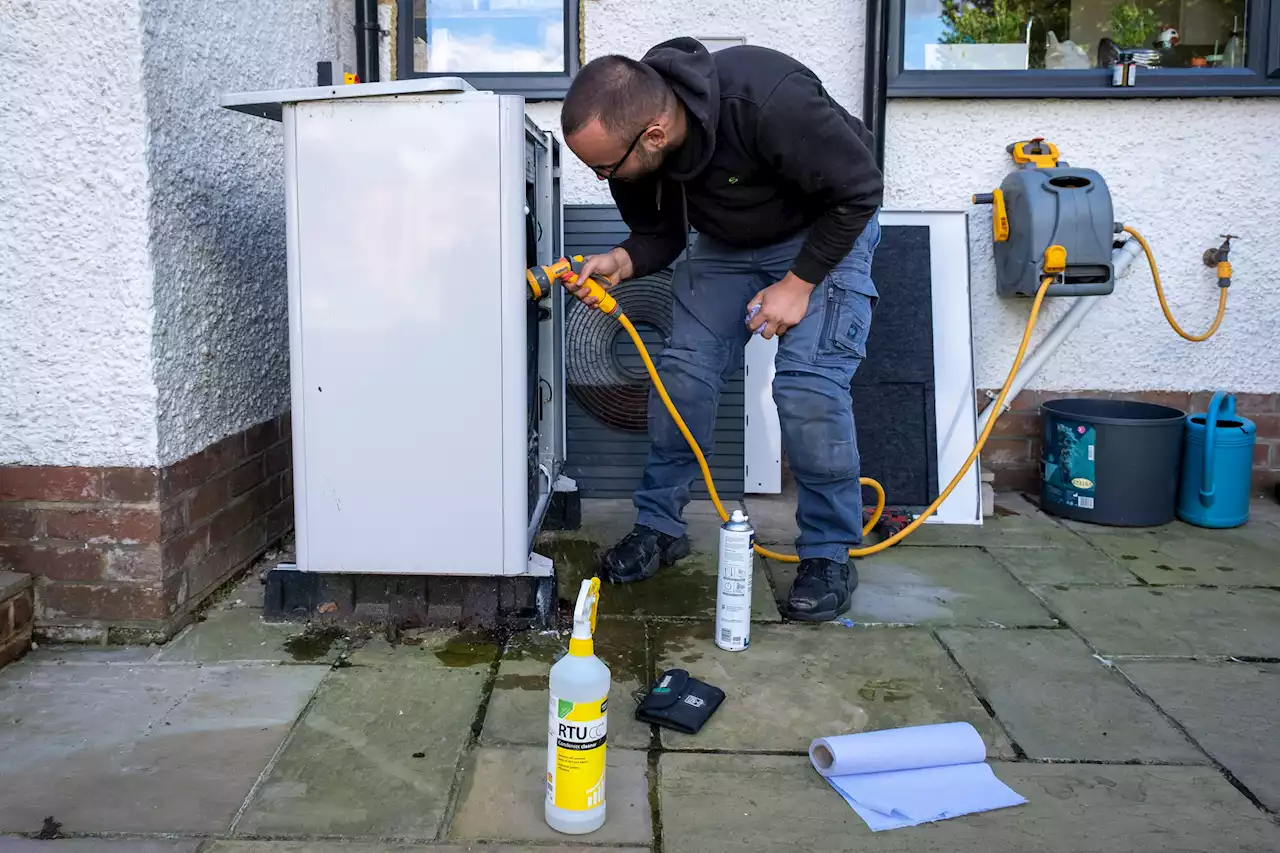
{"x":1260,"y":76}
{"x":534,"y":86}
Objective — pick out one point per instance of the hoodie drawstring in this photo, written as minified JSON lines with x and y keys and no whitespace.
{"x":688,"y":255}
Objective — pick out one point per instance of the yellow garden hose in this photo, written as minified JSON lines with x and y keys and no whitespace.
{"x":1164,"y":306}
{"x":866,"y":481}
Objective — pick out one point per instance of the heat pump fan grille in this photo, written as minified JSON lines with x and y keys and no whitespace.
{"x":603,"y":369}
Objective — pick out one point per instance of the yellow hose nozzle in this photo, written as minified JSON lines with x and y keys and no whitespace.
{"x":604,"y":301}
{"x":540,"y":278}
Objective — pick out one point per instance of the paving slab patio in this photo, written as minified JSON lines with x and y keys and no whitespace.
{"x":714,"y":803}
{"x":240,"y":634}
{"x":385,"y":847}
{"x":1231,"y":709}
{"x":796,"y":683}
{"x":932,"y":586}
{"x":434,"y":741}
{"x":1057,"y":701}
{"x":504,"y":792}
{"x":1174,"y":622}
{"x":687,"y":589}
{"x":517,"y":710}
{"x":1077,"y":564}
{"x":140,"y":749}
{"x":1030,"y":529}
{"x":376,"y":752}
{"x":1182,"y":554}
{"x":95,"y":845}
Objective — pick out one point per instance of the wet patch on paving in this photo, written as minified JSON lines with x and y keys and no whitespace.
{"x":796,"y":683}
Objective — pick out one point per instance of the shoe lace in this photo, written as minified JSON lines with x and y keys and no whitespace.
{"x":823,"y":569}
{"x":639,"y":536}
{"x":813,"y":568}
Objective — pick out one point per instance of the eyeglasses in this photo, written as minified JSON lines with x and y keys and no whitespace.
{"x":607,"y":172}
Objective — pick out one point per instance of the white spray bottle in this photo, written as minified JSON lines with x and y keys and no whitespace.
{"x":577,"y":727}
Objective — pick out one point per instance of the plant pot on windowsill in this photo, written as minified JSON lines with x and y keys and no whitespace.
{"x":1009,"y":56}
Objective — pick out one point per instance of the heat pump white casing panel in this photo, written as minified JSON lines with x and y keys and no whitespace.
{"x":407,"y":308}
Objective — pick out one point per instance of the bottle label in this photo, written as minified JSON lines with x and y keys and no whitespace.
{"x":1068,"y":464}
{"x":733,"y":593}
{"x":575,"y":759}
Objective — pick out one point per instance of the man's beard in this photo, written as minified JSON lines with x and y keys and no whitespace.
{"x":648,"y":161}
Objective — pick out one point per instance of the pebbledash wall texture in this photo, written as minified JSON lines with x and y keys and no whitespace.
{"x":144,"y":433}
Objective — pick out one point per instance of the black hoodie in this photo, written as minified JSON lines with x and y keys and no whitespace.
{"x":768,"y":153}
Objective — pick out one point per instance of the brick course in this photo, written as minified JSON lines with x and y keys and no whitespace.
{"x":15,"y":616}
{"x":1013,"y":451}
{"x":130,"y":552}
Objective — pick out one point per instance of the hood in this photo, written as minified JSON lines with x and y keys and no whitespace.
{"x":688,"y":68}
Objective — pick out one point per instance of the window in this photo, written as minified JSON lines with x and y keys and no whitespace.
{"x":1067,"y":48}
{"x":527,"y":47}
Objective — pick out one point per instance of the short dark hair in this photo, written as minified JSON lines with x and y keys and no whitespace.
{"x":625,"y":95}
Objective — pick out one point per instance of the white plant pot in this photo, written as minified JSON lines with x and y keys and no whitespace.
{"x":975,"y":57}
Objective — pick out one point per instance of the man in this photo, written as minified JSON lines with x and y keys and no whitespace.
{"x":781,"y":184}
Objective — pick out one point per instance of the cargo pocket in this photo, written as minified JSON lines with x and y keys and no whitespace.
{"x":847,"y":320}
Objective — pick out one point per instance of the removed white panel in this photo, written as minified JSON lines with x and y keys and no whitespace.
{"x":955,"y":406}
{"x":762,"y":436}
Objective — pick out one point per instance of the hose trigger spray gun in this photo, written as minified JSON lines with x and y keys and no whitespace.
{"x":567,"y":269}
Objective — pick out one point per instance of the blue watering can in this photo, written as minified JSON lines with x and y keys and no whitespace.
{"x":1217,"y":463}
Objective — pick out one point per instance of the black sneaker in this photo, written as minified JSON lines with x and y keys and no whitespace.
{"x":640,"y":553}
{"x":821,"y":590}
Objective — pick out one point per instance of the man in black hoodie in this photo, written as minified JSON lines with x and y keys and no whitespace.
{"x":781,"y":184}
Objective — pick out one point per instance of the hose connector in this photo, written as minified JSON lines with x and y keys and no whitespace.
{"x":1055,"y":260}
{"x":1219,"y":259}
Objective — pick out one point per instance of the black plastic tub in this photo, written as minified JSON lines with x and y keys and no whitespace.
{"x":1113,"y":462}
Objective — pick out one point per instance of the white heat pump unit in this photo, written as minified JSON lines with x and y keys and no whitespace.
{"x":428,"y":419}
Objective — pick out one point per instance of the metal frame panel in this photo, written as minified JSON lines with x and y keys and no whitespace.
{"x":513,"y":299}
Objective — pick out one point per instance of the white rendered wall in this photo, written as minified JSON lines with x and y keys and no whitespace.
{"x":826,"y":35}
{"x":142,"y":272}
{"x":75,"y":274}
{"x":221,"y":349}
{"x":1181,"y":172}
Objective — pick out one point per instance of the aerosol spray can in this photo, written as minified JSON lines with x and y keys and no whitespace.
{"x":733,"y":584}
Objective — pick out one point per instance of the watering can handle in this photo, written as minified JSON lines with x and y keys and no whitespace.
{"x":1210,"y":431}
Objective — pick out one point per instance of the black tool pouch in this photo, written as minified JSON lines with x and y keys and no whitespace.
{"x":679,"y":701}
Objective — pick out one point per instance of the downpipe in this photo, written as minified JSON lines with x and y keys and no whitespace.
{"x":1121,"y":259}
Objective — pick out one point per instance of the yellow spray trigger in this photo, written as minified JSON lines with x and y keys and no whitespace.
{"x":584,"y":619}
{"x":593,"y":595}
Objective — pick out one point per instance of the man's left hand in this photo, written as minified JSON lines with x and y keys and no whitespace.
{"x":782,"y":305}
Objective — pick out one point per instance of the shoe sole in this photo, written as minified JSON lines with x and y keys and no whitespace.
{"x":820,"y":615}
{"x":678,"y":551}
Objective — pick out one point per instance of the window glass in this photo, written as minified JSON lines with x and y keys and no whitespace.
{"x":988,"y":35}
{"x":488,"y":36}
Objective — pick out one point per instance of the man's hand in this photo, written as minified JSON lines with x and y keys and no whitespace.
{"x":615,"y":266}
{"x":782,"y":305}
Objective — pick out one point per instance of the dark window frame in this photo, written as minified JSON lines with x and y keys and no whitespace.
{"x":550,"y":85}
{"x":1260,"y":75}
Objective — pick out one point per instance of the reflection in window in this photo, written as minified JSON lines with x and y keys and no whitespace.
{"x":488,"y":36}
{"x":986,"y":35}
